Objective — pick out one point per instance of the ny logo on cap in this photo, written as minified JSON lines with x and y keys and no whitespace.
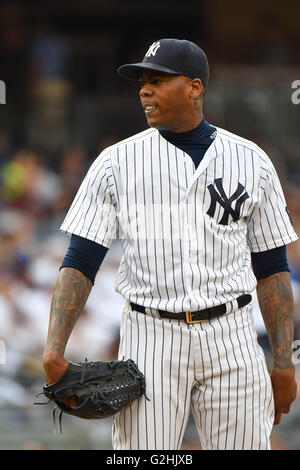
{"x":152,"y":49}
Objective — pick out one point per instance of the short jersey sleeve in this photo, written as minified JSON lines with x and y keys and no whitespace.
{"x":92,"y":214}
{"x":270,"y":225}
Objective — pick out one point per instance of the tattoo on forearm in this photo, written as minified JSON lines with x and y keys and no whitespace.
{"x":69,"y":298}
{"x":277,"y":306}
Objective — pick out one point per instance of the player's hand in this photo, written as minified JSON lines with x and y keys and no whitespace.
{"x":55,"y":366}
{"x":284,"y":390}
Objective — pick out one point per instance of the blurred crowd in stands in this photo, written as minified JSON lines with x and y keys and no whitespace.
{"x":34,"y":199}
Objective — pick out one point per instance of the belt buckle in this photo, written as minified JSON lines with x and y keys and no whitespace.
{"x":189,"y":316}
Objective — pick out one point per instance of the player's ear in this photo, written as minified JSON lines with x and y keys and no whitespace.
{"x":197,"y":89}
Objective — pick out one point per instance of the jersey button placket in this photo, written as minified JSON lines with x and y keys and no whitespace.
{"x":189,"y":257}
{"x":185,"y":248}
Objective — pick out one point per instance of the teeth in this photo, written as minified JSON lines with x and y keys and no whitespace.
{"x":149,"y":108}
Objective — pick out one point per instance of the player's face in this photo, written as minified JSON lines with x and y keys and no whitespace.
{"x":168,"y":101}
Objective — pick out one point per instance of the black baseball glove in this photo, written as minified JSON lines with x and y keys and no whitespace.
{"x":100,"y":388}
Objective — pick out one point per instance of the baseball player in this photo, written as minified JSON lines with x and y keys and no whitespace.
{"x":203,"y":222}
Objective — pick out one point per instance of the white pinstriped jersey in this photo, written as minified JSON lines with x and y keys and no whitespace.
{"x":187,"y":233}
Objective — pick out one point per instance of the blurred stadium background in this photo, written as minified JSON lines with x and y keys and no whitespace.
{"x":64,"y":104}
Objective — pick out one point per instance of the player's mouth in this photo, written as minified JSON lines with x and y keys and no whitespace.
{"x":148,"y":108}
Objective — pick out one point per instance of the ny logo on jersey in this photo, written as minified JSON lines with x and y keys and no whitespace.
{"x":153,"y":49}
{"x":226,"y":202}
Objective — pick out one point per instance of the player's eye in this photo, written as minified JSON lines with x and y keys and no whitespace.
{"x":150,"y":81}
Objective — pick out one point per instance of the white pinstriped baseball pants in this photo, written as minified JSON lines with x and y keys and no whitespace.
{"x":215,"y":368}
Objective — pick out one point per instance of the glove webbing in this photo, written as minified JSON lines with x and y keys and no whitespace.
{"x":59,"y":420}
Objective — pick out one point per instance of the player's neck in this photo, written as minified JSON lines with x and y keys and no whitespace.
{"x":186,"y":125}
{"x":189,"y":125}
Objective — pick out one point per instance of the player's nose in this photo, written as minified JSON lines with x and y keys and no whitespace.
{"x":146,"y":90}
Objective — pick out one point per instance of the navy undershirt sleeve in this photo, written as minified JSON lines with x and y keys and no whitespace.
{"x":266,"y":263}
{"x":85,"y":256}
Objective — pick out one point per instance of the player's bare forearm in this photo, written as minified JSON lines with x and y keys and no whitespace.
{"x":70,"y":295}
{"x":277,"y":306}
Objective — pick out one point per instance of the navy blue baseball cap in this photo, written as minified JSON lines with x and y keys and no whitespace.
{"x":174,"y":56}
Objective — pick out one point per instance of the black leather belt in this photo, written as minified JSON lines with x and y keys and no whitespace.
{"x":200,"y":315}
